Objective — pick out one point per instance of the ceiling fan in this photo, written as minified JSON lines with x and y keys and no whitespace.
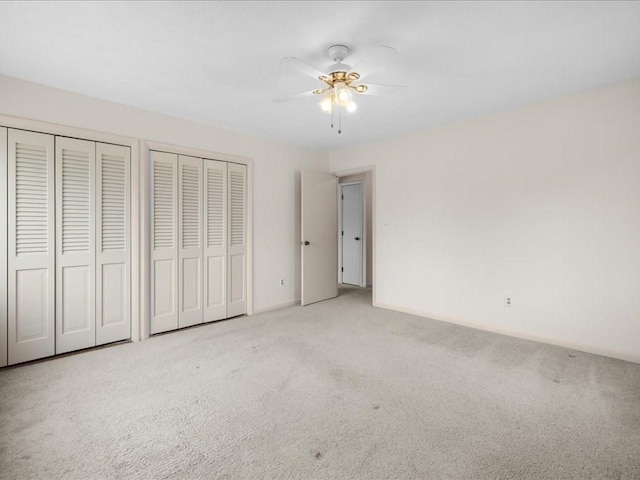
{"x":340,"y":83}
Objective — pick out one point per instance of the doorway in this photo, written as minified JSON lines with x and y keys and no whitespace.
{"x":321,"y":234}
{"x":352,"y":232}
{"x":355,"y":218}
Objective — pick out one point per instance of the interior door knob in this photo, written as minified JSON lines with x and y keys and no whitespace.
{"x":357,"y":238}
{"x":306,"y":242}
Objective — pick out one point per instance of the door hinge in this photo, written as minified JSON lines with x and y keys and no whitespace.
{"x":342,"y":269}
{"x":342,"y":197}
{"x":343,"y":233}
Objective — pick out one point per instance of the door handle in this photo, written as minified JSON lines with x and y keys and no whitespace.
{"x":306,"y":242}
{"x":357,"y":238}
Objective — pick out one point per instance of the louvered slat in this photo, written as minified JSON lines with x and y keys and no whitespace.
{"x":190,"y":207}
{"x":215,"y":208}
{"x":163,"y":204}
{"x":114,"y":215}
{"x":76,"y":206}
{"x":32,"y":209}
{"x":237,"y":200}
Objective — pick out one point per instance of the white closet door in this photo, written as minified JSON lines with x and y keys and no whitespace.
{"x":164,"y":239}
{"x":31,"y":256}
{"x":113,"y":273}
{"x":190,"y":236}
{"x":75,"y":244}
{"x":237,"y":252}
{"x":3,"y":247}
{"x":215,"y":247}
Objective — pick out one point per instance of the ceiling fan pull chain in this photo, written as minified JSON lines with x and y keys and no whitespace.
{"x":339,"y":122}
{"x":332,"y":113}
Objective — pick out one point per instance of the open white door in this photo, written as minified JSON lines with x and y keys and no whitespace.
{"x":319,"y":209}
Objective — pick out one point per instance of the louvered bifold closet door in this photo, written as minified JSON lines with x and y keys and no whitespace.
{"x":237,"y":238}
{"x":113,"y":272}
{"x":75,"y":244}
{"x":31,"y":246}
{"x":3,"y":246}
{"x":190,"y":237}
{"x":164,"y":241}
{"x":215,"y":245}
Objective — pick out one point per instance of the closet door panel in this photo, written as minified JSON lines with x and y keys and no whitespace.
{"x":3,"y":246}
{"x":164,"y":251}
{"x":113,"y":273}
{"x":31,"y":246}
{"x":190,"y":237}
{"x":75,"y":244}
{"x":215,"y":245}
{"x":237,"y":238}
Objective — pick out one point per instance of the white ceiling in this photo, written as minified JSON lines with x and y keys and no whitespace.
{"x":218,"y":62}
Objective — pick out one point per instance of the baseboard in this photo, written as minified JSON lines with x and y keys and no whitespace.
{"x":277,"y":307}
{"x":605,"y":352}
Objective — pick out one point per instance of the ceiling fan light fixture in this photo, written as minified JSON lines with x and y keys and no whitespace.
{"x":340,"y":82}
{"x":342,"y":94}
{"x":327,"y":103}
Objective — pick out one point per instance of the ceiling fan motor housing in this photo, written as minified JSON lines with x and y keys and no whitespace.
{"x":337,"y":53}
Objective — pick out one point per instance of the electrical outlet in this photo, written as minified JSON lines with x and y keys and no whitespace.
{"x":282,"y":282}
{"x":507,"y":301}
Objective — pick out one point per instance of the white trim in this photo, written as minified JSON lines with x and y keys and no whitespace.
{"x":4,"y":297}
{"x":363,"y":282}
{"x":134,"y":185}
{"x":559,"y":342}
{"x":196,"y":152}
{"x":144,"y":243}
{"x":65,"y":131}
{"x":339,"y":232}
{"x":280,"y":306}
{"x":249,"y":224}
{"x":96,"y":136}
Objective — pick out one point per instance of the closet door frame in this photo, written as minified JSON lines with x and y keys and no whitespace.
{"x":138,"y":205}
{"x":3,"y":247}
{"x":145,"y":220}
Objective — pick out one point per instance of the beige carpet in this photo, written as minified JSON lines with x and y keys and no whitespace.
{"x":333,"y":390}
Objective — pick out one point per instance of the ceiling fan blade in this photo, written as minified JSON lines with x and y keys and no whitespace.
{"x":381,"y":56}
{"x":302,"y":67}
{"x":374,"y":89}
{"x":295,"y":96}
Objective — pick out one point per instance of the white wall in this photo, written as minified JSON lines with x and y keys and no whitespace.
{"x":276,"y":170}
{"x":365,"y":178}
{"x":540,"y":203}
